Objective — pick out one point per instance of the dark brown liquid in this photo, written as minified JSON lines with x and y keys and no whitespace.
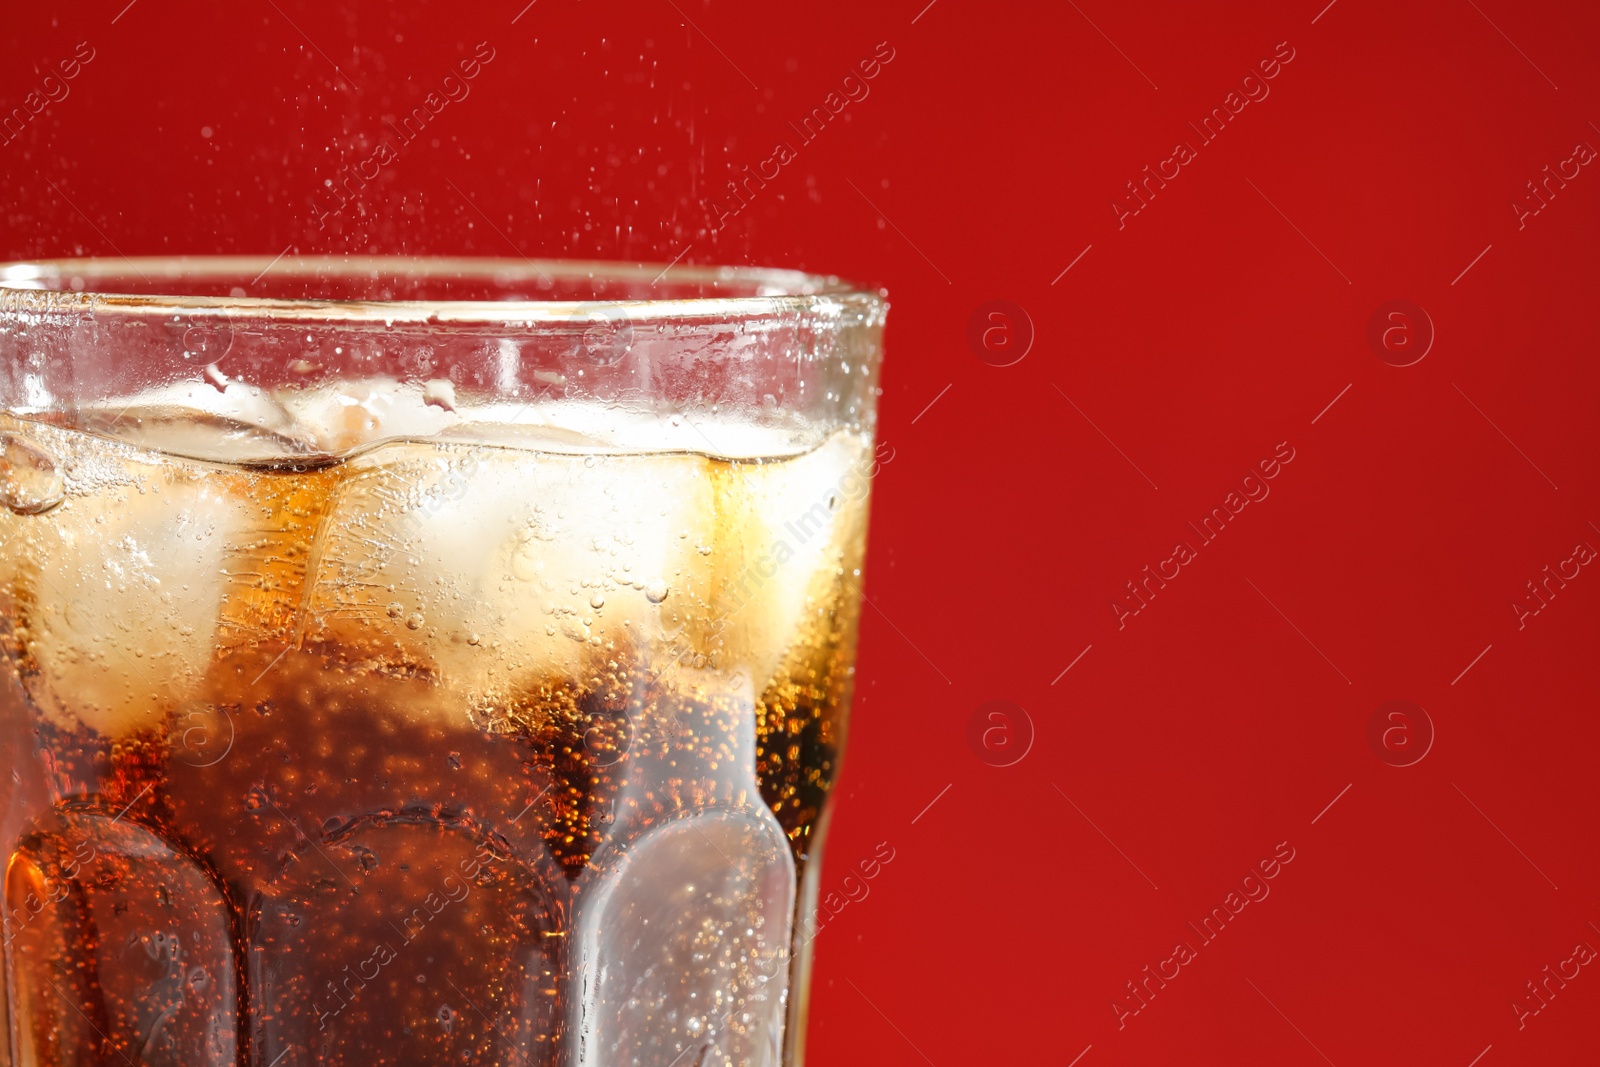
{"x":338,"y":845}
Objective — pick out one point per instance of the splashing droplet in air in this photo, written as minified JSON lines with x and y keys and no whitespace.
{"x":29,"y":481}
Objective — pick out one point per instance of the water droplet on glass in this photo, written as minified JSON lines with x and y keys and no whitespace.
{"x":395,"y":610}
{"x":414,"y":621}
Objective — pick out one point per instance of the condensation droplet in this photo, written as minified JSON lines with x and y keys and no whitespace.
{"x":414,"y":621}
{"x":395,"y":610}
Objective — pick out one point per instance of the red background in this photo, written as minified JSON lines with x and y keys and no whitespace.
{"x":1224,"y":717}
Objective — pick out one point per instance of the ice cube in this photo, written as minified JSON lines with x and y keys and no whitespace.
{"x":349,"y":413}
{"x":785,"y":530}
{"x":212,"y":419}
{"x":118,"y":592}
{"x":497,"y":570}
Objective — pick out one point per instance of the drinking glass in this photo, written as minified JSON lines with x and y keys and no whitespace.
{"x":422,"y":661}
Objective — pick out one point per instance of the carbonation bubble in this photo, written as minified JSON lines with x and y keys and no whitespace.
{"x":29,"y":481}
{"x":656,"y":591}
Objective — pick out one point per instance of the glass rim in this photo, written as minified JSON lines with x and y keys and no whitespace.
{"x":777,"y":291}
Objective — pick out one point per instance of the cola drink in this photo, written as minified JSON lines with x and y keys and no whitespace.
{"x":333,"y":739}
